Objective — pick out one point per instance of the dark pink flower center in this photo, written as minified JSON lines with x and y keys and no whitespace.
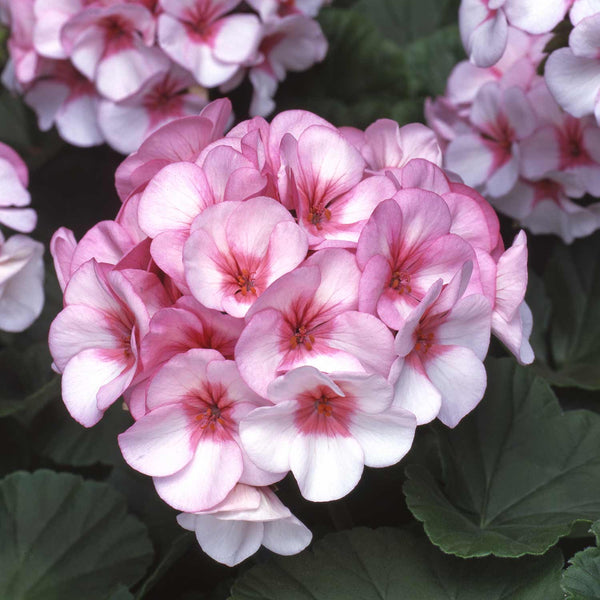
{"x":118,"y":32}
{"x":424,"y":342}
{"x":317,"y":214}
{"x":245,"y":281}
{"x":400,"y":281}
{"x":322,"y":411}
{"x":302,"y":336}
{"x":211,"y":417}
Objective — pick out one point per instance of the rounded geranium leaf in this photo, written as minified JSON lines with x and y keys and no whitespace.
{"x":388,"y":564}
{"x":517,"y":474}
{"x":64,"y":538}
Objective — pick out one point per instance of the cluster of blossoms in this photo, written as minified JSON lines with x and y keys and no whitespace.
{"x":21,"y":258}
{"x":116,"y":70}
{"x":289,"y":297}
{"x":504,"y":134}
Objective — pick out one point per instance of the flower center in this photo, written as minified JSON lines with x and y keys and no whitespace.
{"x":210,"y":417}
{"x":245,"y":282}
{"x":316,"y":216}
{"x":424,"y":342}
{"x":400,"y":282}
{"x":323,"y":406}
{"x":301,"y":336}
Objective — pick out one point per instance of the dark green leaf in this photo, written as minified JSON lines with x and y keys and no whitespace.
{"x":66,"y":442}
{"x":430,"y":61}
{"x":390,"y":564}
{"x":514,"y":476}
{"x":121,"y":593}
{"x":177,"y":549}
{"x":64,"y":538}
{"x":15,"y":125}
{"x":404,"y":21}
{"x":15,"y":452}
{"x":570,"y":355}
{"x":581,"y":581}
{"x":28,"y":383}
{"x":363,"y":77}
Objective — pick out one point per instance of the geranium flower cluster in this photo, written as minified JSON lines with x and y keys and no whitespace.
{"x":21,"y":258}
{"x":289,"y":297}
{"x":505,"y":135}
{"x":116,"y":70}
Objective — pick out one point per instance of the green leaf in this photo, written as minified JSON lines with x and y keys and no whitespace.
{"x":66,"y":442}
{"x":430,"y":61}
{"x":363,"y":77}
{"x":177,"y":549}
{"x":15,"y":126}
{"x":15,"y":452}
{"x":28,"y":383}
{"x":391,"y":564}
{"x":570,"y":354}
{"x":581,"y":581}
{"x":404,"y":21}
{"x":514,"y":476}
{"x":121,"y":593}
{"x":64,"y":538}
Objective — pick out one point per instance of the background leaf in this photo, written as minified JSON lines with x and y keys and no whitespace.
{"x":567,"y":326}
{"x":66,"y":442}
{"x":390,"y":564}
{"x":514,"y":476}
{"x":581,"y":581}
{"x":64,"y":538}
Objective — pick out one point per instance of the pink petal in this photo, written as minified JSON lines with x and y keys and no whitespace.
{"x":237,"y":38}
{"x":206,"y":480}
{"x":384,"y":438}
{"x":83,"y":377}
{"x":468,"y":325}
{"x":574,"y":81}
{"x":174,"y":198}
{"x":267,"y":435}
{"x":473,"y":160}
{"x":461,"y":379}
{"x":228,"y":542}
{"x":414,"y":392}
{"x":326,"y":468}
{"x":160,"y":443}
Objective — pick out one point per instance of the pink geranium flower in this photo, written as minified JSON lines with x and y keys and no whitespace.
{"x":237,"y":249}
{"x":179,"y":141}
{"x":224,"y":174}
{"x":309,"y":317}
{"x":489,"y":157}
{"x":14,"y":179}
{"x":113,"y":46}
{"x":386,"y":146}
{"x":291,"y":43}
{"x":325,"y":428}
{"x":21,"y":282}
{"x":188,"y":439}
{"x":564,"y":144}
{"x":405,"y":247}
{"x":441,"y":347}
{"x":197,"y":35}
{"x":325,"y":186}
{"x":94,"y":340}
{"x":484,"y":24}
{"x":161,"y":99}
{"x":512,"y":320}
{"x":573,"y":73}
{"x":62,"y":96}
{"x":175,"y":330}
{"x":248,"y":518}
